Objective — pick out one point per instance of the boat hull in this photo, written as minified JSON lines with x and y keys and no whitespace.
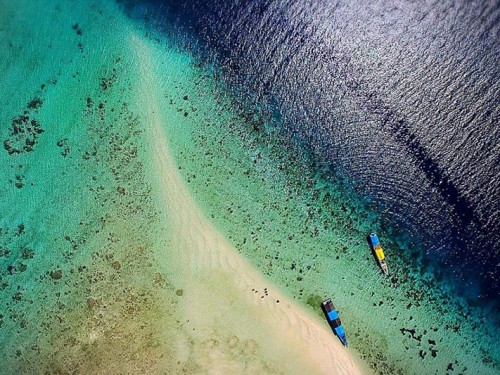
{"x":378,"y":253}
{"x":333,"y":319}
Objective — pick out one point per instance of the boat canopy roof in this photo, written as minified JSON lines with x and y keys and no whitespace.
{"x":374,"y":239}
{"x":340,"y":331}
{"x":333,"y":315}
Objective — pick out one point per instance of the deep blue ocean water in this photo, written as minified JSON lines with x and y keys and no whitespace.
{"x":399,"y":100}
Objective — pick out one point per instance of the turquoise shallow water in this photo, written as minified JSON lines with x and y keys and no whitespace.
{"x":78,"y":276}
{"x":82,"y":281}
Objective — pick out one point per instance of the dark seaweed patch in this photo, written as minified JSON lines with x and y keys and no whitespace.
{"x":27,"y":253}
{"x":77,"y":28}
{"x":63,"y":143}
{"x":18,"y":181}
{"x":412,"y":333}
{"x":108,"y":82}
{"x":35,"y":103}
{"x":23,"y":135}
{"x":56,"y":274}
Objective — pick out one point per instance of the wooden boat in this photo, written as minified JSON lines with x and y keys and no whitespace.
{"x":333,"y":319}
{"x":379,"y":253}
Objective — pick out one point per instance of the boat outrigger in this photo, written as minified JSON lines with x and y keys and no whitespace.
{"x":333,"y":319}
{"x":378,"y":252}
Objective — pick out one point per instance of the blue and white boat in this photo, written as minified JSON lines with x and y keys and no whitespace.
{"x":333,"y":319}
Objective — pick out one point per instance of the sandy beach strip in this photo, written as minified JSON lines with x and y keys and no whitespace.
{"x":237,"y":321}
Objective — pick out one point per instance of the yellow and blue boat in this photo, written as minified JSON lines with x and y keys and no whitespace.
{"x":379,"y":253}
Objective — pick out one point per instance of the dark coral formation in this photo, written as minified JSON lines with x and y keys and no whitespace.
{"x":35,"y":103}
{"x":23,"y":135}
{"x":18,"y":182}
{"x":24,"y":130}
{"x":77,"y":29}
{"x":107,"y":82}
{"x":64,"y":144}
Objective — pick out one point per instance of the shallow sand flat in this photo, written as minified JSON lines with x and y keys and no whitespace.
{"x":237,"y":321}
